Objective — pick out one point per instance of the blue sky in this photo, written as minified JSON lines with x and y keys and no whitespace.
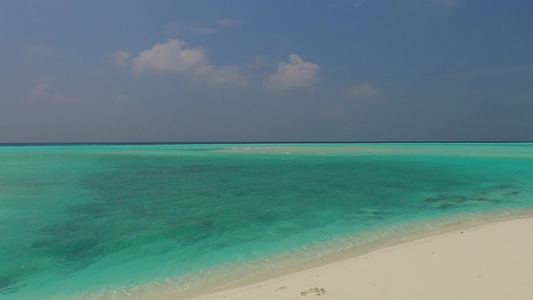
{"x":212,"y":71}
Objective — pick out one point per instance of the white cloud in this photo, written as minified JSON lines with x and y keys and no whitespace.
{"x":169,"y":57}
{"x":295,"y":74}
{"x":173,"y":57}
{"x":362,"y":90}
{"x":119,"y":57}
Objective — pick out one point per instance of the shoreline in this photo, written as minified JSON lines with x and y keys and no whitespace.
{"x":255,"y":287}
{"x":202,"y":286}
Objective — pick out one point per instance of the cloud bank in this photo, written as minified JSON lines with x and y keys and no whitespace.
{"x":295,"y":74}
{"x":174,"y":57}
{"x":169,"y":57}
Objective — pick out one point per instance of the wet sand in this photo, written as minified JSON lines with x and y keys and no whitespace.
{"x":490,"y":261}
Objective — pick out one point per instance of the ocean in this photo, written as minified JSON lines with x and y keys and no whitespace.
{"x":148,"y":221}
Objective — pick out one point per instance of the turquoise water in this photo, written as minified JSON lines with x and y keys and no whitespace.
{"x":103,"y":221}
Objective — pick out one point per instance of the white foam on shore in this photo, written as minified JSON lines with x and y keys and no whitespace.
{"x":490,"y":262}
{"x":322,"y":253}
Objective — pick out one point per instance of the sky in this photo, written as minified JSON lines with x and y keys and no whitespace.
{"x":266,"y":71}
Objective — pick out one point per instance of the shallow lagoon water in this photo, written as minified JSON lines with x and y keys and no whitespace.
{"x":116,"y":220}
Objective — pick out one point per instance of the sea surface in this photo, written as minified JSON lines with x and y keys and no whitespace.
{"x":145,"y":221}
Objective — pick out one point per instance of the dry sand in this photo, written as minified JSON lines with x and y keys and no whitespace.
{"x":492,"y":261}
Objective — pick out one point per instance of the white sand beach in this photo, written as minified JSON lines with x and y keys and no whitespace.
{"x":491,"y":261}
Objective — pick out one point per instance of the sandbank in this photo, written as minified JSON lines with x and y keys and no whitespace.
{"x":296,"y":150}
{"x":489,"y":261}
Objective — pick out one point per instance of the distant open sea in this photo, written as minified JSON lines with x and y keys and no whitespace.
{"x":145,"y":221}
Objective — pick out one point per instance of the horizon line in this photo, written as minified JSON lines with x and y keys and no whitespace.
{"x":257,"y":142}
